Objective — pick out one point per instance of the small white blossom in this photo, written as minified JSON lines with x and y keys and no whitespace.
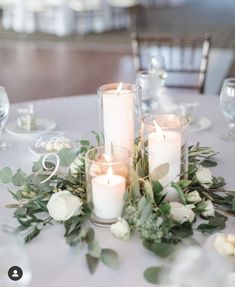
{"x":190,"y":206}
{"x":121,"y":229}
{"x":204,"y":176}
{"x":63,"y":205}
{"x":193,"y":197}
{"x":207,"y":208}
{"x":180,"y":213}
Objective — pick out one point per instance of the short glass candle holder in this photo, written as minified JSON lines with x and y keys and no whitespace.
{"x":164,"y":141}
{"x":107,"y":177}
{"x":120,"y":113}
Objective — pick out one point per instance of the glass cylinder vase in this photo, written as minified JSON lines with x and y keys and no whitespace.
{"x":120,"y":113}
{"x":107,"y":177}
{"x":164,"y":141}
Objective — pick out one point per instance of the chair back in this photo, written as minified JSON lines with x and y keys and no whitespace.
{"x":186,"y":59}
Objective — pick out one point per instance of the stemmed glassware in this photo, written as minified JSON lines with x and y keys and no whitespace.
{"x":227,"y":102}
{"x":4,"y":111}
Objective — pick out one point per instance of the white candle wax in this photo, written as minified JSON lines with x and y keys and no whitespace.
{"x":165,"y":149}
{"x":118,"y":117}
{"x":107,"y":192}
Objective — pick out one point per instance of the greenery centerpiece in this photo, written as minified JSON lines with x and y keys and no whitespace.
{"x":41,"y":200}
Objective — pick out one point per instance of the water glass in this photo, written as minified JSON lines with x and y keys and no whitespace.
{"x":4,"y":111}
{"x":227,"y":103}
{"x":157,"y":65}
{"x":150,"y":84}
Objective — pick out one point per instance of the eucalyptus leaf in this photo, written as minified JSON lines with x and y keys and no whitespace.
{"x":66,"y":156}
{"x":6,"y":175}
{"x":140,"y":169}
{"x":135,"y":186}
{"x":152,"y":274}
{"x":184,"y":183}
{"x":160,"y":171}
{"x":163,"y":249}
{"x":110,"y":258}
{"x":20,"y":211}
{"x":94,"y":249}
{"x":180,"y":192}
{"x":32,"y":235}
{"x":146,"y":210}
{"x":208,"y":163}
{"x":37,"y":165}
{"x":160,"y":249}
{"x":92,"y":263}
{"x":19,"y":178}
{"x":148,"y":189}
{"x":90,"y":235}
{"x":99,"y":138}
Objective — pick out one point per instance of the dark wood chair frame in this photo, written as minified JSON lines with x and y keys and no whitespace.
{"x":182,"y":42}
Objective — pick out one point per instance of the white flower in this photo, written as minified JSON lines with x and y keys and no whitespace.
{"x":225,"y":244}
{"x":208,"y":209}
{"x":193,"y":197}
{"x":63,"y":205}
{"x":121,"y":229}
{"x":180,"y":213}
{"x":204,"y":176}
{"x":190,"y":206}
{"x":75,"y":165}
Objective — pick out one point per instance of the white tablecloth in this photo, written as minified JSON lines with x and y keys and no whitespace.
{"x":55,"y":264}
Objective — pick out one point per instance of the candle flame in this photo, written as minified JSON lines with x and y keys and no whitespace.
{"x":109,"y":174}
{"x":119,"y":88}
{"x":159,"y":130}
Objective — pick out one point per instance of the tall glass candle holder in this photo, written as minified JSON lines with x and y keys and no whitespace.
{"x":107,"y":176}
{"x":164,"y":141}
{"x":120,"y":113}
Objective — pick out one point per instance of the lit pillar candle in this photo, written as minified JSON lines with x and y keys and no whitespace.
{"x":165,"y":147}
{"x":107,"y":192}
{"x":118,"y":117}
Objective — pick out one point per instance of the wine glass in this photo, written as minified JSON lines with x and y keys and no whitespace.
{"x":4,"y":111}
{"x":227,"y":102}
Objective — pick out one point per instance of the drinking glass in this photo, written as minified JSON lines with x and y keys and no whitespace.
{"x":150,"y":84}
{"x":157,"y":65}
{"x":107,"y":174}
{"x":227,"y":102}
{"x":4,"y":110}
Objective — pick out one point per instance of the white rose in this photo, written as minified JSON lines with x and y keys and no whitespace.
{"x":190,"y":206}
{"x":63,"y":205}
{"x":75,"y":165}
{"x":121,"y":229}
{"x":193,"y":197}
{"x":208,"y":209}
{"x":180,"y":213}
{"x":204,"y":176}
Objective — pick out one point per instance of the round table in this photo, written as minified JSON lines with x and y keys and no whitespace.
{"x":55,"y":264}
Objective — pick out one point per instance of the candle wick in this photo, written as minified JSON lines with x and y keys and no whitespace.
{"x":108,"y":181}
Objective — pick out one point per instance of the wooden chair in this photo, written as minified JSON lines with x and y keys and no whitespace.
{"x":186,"y":58}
